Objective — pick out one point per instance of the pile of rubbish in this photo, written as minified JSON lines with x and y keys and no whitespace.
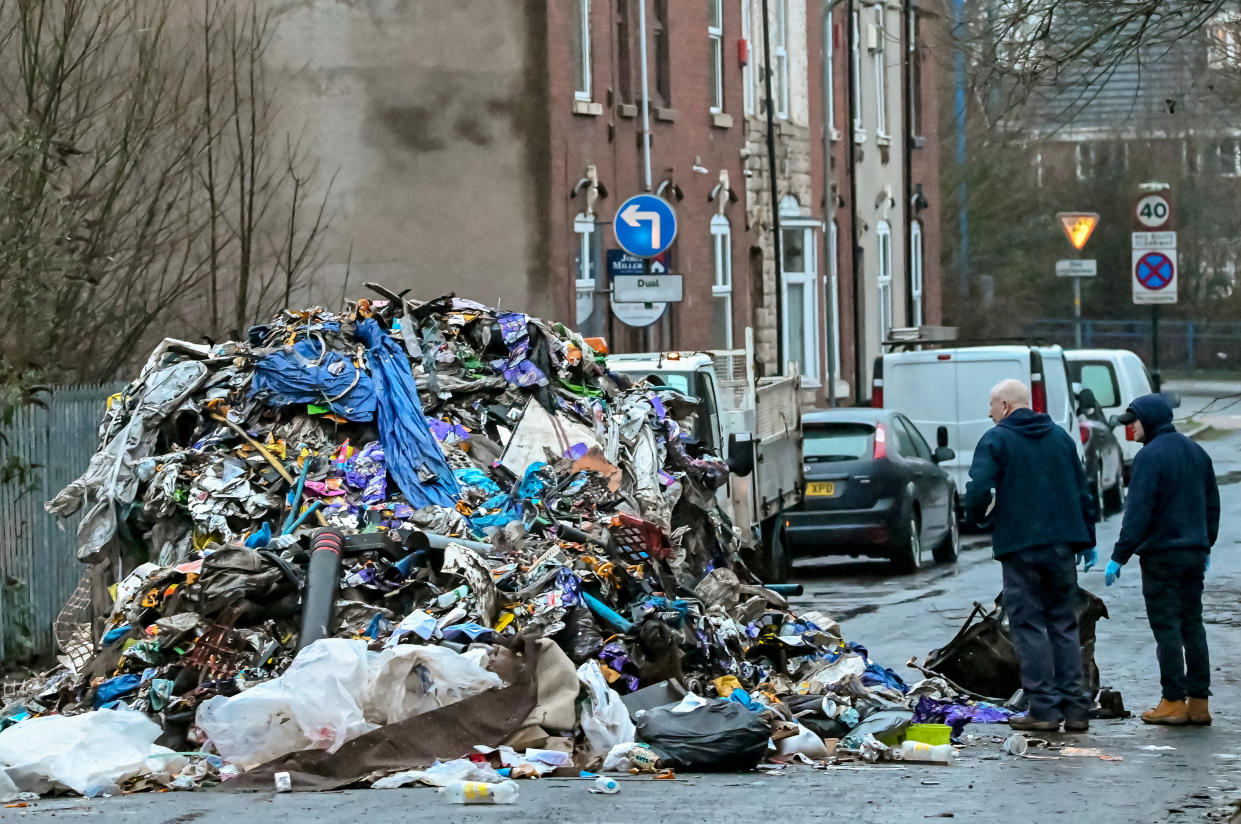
{"x":415,"y":531}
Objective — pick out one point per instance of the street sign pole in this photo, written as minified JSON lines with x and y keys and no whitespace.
{"x":1154,"y":259}
{"x":1077,"y":313}
{"x":1156,"y":378}
{"x":1078,"y":227}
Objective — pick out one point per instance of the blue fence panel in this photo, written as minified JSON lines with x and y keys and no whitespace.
{"x":39,"y":568}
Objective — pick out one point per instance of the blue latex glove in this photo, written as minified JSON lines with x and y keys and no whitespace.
{"x":1111,"y":573}
{"x":1088,"y":557}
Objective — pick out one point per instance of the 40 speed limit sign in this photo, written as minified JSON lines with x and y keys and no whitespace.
{"x":1153,"y":211}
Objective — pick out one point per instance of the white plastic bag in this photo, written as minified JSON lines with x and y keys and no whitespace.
{"x":805,"y":742}
{"x":409,"y":680}
{"x":334,"y":691}
{"x":253,"y":727}
{"x":326,"y":684}
{"x":605,"y":719}
{"x":618,"y":757}
{"x":8,"y":790}
{"x":316,"y":704}
{"x":91,"y":753}
{"x":441,"y":775}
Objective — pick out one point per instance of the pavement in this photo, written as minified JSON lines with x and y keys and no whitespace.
{"x":895,"y":617}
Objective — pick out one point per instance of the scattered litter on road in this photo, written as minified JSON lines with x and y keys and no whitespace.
{"x":1089,"y":752}
{"x":1156,"y":748}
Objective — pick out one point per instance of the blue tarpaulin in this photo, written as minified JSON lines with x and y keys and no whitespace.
{"x":305,"y":373}
{"x":414,"y":458}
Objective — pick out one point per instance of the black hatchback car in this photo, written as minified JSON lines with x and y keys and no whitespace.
{"x":873,"y":489}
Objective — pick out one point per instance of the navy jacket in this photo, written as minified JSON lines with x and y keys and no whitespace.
{"x":1041,"y":497}
{"x":1173,"y":498}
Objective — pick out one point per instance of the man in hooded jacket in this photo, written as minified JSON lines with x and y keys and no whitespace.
{"x":1171,"y":522}
{"x":1043,"y":517}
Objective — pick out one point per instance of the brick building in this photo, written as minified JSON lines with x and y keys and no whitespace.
{"x":483,"y":147}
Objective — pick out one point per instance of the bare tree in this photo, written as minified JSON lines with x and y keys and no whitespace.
{"x":1020,"y":48}
{"x":144,"y":180}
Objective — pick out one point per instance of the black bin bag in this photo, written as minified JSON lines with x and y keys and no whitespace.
{"x":720,"y":736}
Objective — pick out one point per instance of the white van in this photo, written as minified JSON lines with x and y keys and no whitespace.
{"x":1116,"y":376}
{"x":947,"y":393}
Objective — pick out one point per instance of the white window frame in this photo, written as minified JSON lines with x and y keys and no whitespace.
{"x":583,"y":90}
{"x":791,"y":221}
{"x":829,"y":55}
{"x":859,"y":126}
{"x":781,"y":56}
{"x":1224,"y":41}
{"x":916,"y":270}
{"x":1216,"y":146}
{"x":881,"y":74}
{"x":715,"y":37}
{"x":585,"y":228}
{"x":833,"y":294}
{"x":883,"y":238}
{"x":747,"y":71}
{"x":722,"y":263}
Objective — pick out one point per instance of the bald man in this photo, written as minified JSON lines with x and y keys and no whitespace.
{"x":1043,"y":517}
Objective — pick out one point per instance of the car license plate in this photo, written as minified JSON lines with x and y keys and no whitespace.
{"x":821,"y":488}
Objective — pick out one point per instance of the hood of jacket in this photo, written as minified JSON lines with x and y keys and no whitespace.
{"x":1155,"y":413}
{"x":1028,"y":423}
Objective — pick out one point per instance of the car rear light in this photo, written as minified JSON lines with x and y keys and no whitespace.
{"x":876,"y":384}
{"x":1083,"y":429}
{"x":1130,"y":433}
{"x":1038,"y":393}
{"x":881,"y":441}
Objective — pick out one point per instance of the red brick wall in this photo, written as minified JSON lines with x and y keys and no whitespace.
{"x":612,"y":142}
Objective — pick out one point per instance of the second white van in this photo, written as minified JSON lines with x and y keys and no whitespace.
{"x":947,"y":392}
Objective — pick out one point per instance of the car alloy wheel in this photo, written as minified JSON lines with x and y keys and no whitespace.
{"x":1098,"y":491}
{"x":909,"y":555}
{"x":950,"y":547}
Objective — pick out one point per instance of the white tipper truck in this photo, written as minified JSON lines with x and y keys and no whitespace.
{"x":754,"y":423}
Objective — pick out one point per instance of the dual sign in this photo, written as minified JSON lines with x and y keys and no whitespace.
{"x":645,"y":227}
{"x":1154,"y":249}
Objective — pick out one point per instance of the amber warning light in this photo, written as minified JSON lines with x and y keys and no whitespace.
{"x":1078,"y":226}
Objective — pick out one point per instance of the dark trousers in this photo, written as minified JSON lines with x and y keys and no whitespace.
{"x":1040,"y":591}
{"x":1172,"y":587}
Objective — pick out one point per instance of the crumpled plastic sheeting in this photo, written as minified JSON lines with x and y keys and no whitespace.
{"x":335,"y":691}
{"x":307,"y":372}
{"x":956,"y":714}
{"x":477,"y":573}
{"x":91,"y":753}
{"x":111,"y":478}
{"x":441,"y":775}
{"x":605,"y":720}
{"x":413,"y":456}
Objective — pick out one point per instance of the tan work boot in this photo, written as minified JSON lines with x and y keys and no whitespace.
{"x":1199,"y":712}
{"x":1173,"y":713}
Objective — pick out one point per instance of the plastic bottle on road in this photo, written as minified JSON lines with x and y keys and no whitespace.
{"x":917,"y":751}
{"x":478,"y":792}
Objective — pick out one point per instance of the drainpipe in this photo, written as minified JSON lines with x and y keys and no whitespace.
{"x":907,"y":156}
{"x":833,"y":319}
{"x":646,"y":99}
{"x":963,"y":224}
{"x":859,"y":373}
{"x":775,"y":189}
